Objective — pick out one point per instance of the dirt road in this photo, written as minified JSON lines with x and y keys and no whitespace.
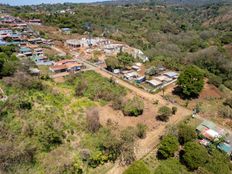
{"x":152,"y":139}
{"x":58,"y":50}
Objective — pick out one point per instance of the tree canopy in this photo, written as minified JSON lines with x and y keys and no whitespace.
{"x":168,"y":146}
{"x":218,"y":163}
{"x":171,"y":166}
{"x":191,"y":81}
{"x":8,"y":61}
{"x":186,"y":133}
{"x":195,"y":155}
{"x":138,"y":167}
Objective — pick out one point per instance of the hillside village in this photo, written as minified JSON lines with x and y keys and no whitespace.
{"x":19,"y":33}
{"x":76,"y":70}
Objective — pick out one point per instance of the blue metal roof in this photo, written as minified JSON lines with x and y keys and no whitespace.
{"x":225,"y":147}
{"x":3,"y":43}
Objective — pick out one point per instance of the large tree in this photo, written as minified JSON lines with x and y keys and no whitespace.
{"x":195,"y":155}
{"x":112,"y":63}
{"x":170,"y":166}
{"x":218,"y":163}
{"x":191,"y":81}
{"x":138,"y":167}
{"x":168,"y":146}
{"x":186,"y":133}
{"x":125,"y":59}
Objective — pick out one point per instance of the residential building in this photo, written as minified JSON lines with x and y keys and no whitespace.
{"x":154,"y":83}
{"x":131,"y":75}
{"x":25,"y":51}
{"x":35,"y":22}
{"x":70,"y":67}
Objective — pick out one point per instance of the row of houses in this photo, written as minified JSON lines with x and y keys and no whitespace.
{"x":211,"y":133}
{"x":17,"y":32}
{"x":36,"y":55}
{"x":15,"y":21}
{"x":27,"y":40}
{"x":17,"y":37}
{"x":29,"y":46}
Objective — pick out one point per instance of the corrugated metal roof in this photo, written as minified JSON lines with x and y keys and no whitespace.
{"x":209,"y":124}
{"x":24,"y":49}
{"x":225,"y":147}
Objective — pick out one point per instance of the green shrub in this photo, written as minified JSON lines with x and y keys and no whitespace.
{"x":141,"y":130}
{"x":215,"y":80}
{"x":164,"y":113}
{"x":218,"y":163}
{"x":228,"y":102}
{"x":174,"y":110}
{"x":226,"y":111}
{"x":228,"y":84}
{"x":133,"y":107}
{"x":138,"y":167}
{"x":8,"y":62}
{"x":226,"y":38}
{"x":25,"y":105}
{"x":48,"y":136}
{"x":168,"y":146}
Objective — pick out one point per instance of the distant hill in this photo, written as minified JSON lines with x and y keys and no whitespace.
{"x":177,"y":2}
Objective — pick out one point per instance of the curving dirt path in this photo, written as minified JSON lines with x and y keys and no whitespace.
{"x":146,"y":145}
{"x":152,"y":139}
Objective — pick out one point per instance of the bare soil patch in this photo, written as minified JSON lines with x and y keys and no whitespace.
{"x":210,"y":91}
{"x":148,"y":117}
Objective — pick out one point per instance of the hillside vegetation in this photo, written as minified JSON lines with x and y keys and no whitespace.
{"x":173,"y":35}
{"x":53,"y":128}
